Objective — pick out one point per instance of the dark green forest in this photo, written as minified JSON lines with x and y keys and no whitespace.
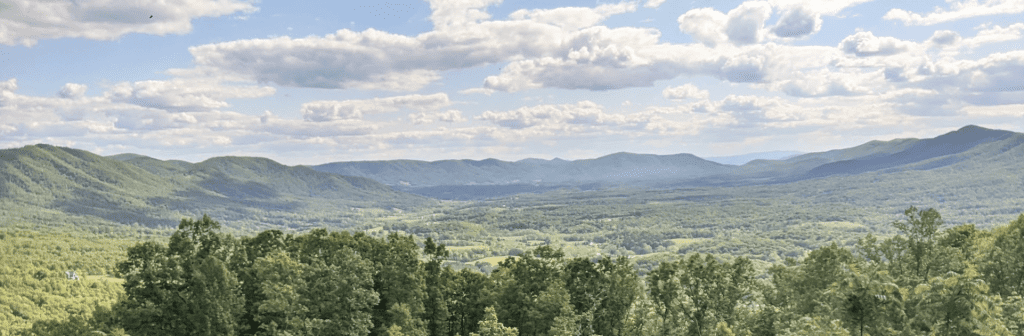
{"x":927,"y":278}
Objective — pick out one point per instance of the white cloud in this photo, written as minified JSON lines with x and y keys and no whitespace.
{"x":637,"y":63}
{"x":328,"y":110}
{"x":746,"y":22}
{"x":9,"y":85}
{"x":573,"y":18}
{"x":826,"y":83}
{"x":706,"y":25}
{"x":742,"y":68}
{"x":684,"y":91}
{"x":450,"y":116}
{"x":829,"y":8}
{"x":463,"y":37}
{"x":72,"y":91}
{"x":584,"y":112}
{"x":865,"y":44}
{"x":586,"y":118}
{"x":796,"y":22}
{"x":27,"y":21}
{"x":995,"y":35}
{"x":183,"y":94}
{"x":960,"y":10}
{"x":653,"y":3}
{"x":1000,"y":72}
{"x":452,"y":15}
{"x":944,"y":38}
{"x":1014,"y":110}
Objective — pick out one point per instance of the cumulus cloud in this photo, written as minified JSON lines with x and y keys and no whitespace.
{"x":944,"y":38}
{"x":747,"y":109}
{"x":329,"y":110}
{"x":183,"y":94}
{"x":653,"y":3}
{"x":371,"y":59}
{"x":9,"y":85}
{"x":746,"y":22}
{"x":72,"y":90}
{"x":995,"y":35}
{"x":601,"y":58}
{"x":25,"y":22}
{"x":959,"y":10}
{"x":585,"y":112}
{"x":797,"y":22}
{"x":825,"y":83}
{"x":573,"y":18}
{"x":463,"y":37}
{"x":705,"y":25}
{"x":450,"y":116}
{"x":747,"y":103}
{"x":684,"y":91}
{"x":1000,"y":72}
{"x":830,"y":8}
{"x":448,"y":15}
{"x":638,"y":63}
{"x":544,"y":48}
{"x":865,"y":44}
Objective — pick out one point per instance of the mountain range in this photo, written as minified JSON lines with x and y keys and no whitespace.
{"x":470,"y":179}
{"x":132,"y":188}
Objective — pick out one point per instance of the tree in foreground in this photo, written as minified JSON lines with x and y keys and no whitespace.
{"x":696,"y":293}
{"x":185,"y":288}
{"x":490,"y":326}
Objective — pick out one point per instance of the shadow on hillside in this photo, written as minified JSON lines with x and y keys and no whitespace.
{"x":96,"y":204}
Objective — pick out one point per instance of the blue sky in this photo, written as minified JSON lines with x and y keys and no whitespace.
{"x":319,"y":81}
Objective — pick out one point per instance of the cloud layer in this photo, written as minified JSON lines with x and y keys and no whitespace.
{"x":25,"y":22}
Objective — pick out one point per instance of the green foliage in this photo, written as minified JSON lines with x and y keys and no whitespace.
{"x":696,"y":293}
{"x":530,"y":292}
{"x":869,"y":304}
{"x":322,"y":282}
{"x":34,"y":287}
{"x":189,"y":277}
{"x":815,"y":326}
{"x":490,"y":326}
{"x":1001,"y":261}
{"x":956,"y":304}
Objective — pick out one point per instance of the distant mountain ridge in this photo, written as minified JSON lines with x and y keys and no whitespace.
{"x":742,"y":159}
{"x":613,"y":168}
{"x":241,"y":185}
{"x":471,"y":179}
{"x":947,"y":144}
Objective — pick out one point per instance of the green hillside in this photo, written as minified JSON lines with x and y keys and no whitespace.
{"x":57,"y":186}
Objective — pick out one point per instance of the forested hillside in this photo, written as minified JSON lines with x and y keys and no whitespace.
{"x":928,"y":279}
{"x":57,"y":186}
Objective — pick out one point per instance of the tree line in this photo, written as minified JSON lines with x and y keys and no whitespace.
{"x":925,"y":280}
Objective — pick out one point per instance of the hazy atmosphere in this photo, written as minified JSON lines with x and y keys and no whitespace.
{"x":319,"y":81}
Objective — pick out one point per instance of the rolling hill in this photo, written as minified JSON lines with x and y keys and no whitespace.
{"x":470,"y":179}
{"x":52,"y":184}
{"x":130,"y":189}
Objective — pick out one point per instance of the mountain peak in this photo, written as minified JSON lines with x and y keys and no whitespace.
{"x":972,"y":128}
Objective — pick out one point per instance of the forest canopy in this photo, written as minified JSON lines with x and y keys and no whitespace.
{"x":924,"y":280}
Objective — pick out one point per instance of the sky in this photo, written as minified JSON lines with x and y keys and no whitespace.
{"x":310,"y":82}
